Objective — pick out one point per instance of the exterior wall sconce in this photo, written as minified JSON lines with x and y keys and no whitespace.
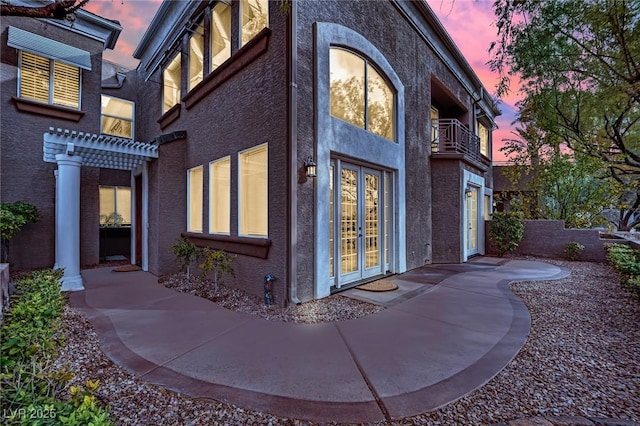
{"x":310,"y":167}
{"x":467,"y":193}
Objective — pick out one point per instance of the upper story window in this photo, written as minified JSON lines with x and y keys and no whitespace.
{"x":196,"y":57}
{"x":171,"y":84}
{"x":360,"y":95}
{"x":254,"y":17}
{"x":220,"y":34}
{"x":435,"y":131}
{"x":117,"y":117}
{"x":483,"y":134}
{"x":49,"y":81}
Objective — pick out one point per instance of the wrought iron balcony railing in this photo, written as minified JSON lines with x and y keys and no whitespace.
{"x":455,"y":138}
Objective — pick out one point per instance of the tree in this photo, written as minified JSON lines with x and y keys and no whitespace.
{"x":579,"y":64}
{"x":59,"y":9}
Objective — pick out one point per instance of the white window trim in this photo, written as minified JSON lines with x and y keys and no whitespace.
{"x":51,"y":81}
{"x":266,"y":144}
{"x":211,"y":196}
{"x":189,"y":228}
{"x":240,"y":23}
{"x":164,"y":69}
{"x":133,"y":116}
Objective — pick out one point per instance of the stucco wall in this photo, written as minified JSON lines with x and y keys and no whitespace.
{"x":447,"y":211}
{"x":415,"y":63}
{"x":547,"y":238}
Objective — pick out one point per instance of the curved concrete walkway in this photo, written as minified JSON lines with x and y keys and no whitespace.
{"x":415,"y":356}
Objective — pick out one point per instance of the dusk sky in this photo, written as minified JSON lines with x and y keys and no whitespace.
{"x":469,"y":23}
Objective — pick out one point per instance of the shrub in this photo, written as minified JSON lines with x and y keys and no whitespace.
{"x":572,"y":250}
{"x":30,"y":387}
{"x":506,"y":231}
{"x":13,"y":216}
{"x":218,"y":261}
{"x":626,"y":261}
{"x":186,"y":252}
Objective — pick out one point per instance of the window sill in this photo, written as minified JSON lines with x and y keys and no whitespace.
{"x":243,"y":57}
{"x":253,"y":247}
{"x":40,"y":108}
{"x":170,"y":116}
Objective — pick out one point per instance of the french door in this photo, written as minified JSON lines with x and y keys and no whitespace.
{"x":359,"y":222}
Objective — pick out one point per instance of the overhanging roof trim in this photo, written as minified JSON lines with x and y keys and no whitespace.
{"x":24,"y":40}
{"x":103,"y":151}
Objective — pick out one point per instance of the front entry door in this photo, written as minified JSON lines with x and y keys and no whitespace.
{"x":359,"y":228}
{"x":472,"y":221}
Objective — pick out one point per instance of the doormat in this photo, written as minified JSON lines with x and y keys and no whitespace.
{"x":380,"y":285}
{"x":127,"y":268}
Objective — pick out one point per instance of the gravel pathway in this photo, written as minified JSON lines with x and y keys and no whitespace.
{"x":582,"y":358}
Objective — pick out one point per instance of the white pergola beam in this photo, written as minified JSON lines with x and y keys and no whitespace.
{"x":71,"y":150}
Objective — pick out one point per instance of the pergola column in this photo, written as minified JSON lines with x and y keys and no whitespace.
{"x":68,"y":220}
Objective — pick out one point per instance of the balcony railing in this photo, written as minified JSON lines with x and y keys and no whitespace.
{"x":455,"y":138}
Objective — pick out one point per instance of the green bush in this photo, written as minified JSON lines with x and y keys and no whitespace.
{"x":30,"y":389}
{"x":626,"y":261}
{"x":13,"y":216}
{"x":218,"y":261}
{"x":506,"y":231}
{"x":572,"y":250}
{"x":30,"y":326}
{"x":185,"y":251}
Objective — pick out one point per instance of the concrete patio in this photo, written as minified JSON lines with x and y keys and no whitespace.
{"x":446,"y":331}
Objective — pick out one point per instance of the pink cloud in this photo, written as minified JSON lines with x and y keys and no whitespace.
{"x":134,"y":17}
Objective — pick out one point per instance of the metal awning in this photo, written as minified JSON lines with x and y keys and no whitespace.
{"x":104,"y":151}
{"x":24,"y":40}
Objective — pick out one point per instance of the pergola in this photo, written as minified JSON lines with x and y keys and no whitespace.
{"x":71,"y":150}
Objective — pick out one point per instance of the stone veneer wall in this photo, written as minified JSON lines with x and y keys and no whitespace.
{"x":547,"y":238}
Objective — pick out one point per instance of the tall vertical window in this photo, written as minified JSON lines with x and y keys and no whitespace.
{"x":45,"y":80}
{"x":360,"y":95}
{"x":253,"y":190}
{"x":194,"y":200}
{"x":483,"y":134}
{"x":115,"y":205}
{"x":255,"y":17}
{"x":171,"y":84}
{"x":220,"y":34}
{"x":435,"y":131}
{"x":196,"y":57}
{"x":220,"y":196}
{"x":117,"y":117}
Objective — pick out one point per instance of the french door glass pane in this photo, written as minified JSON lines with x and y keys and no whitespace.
{"x":349,"y":221}
{"x":371,"y":220}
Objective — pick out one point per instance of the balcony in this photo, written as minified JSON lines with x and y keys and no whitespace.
{"x":456,"y":141}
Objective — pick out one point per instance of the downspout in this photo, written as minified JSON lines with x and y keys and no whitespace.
{"x":292,"y":46}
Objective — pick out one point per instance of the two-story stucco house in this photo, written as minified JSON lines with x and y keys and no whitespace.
{"x":325,"y":143}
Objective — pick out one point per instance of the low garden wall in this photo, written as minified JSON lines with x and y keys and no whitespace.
{"x":548,"y":238}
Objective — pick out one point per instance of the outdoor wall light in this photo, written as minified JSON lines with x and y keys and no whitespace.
{"x":310,"y":167}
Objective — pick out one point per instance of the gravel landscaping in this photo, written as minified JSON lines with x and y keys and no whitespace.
{"x":582,"y":359}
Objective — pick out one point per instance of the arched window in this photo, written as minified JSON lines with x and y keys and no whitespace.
{"x":360,"y":95}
